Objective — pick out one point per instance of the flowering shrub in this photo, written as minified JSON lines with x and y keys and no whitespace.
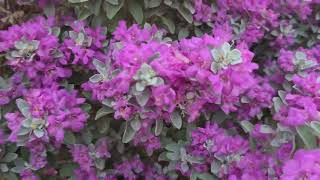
{"x":228,"y":91}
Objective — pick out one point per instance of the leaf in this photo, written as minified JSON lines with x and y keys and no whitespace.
{"x":215,"y":167}
{"x":38,"y":132}
{"x":154,"y":3}
{"x":77,"y":1}
{"x":186,"y":14}
{"x":9,"y":157}
{"x":128,"y":134}
{"x":4,"y":168}
{"x":184,"y":166}
{"x":23,"y":131}
{"x":315,"y":125}
{"x":307,"y":137}
{"x":100,"y":67}
{"x":113,"y":2}
{"x":102,"y":112}
{"x":100,"y":163}
{"x":67,"y":170}
{"x":96,"y":78}
{"x":136,"y":11}
{"x":135,"y":124}
{"x":169,"y":23}
{"x":111,"y":9}
{"x":266,"y":129}
{"x":183,"y":33}
{"x":95,"y":7}
{"x":69,"y":138}
{"x":246,"y":126}
{"x":277,"y":103}
{"x":174,"y":147}
{"x":104,"y":125}
{"x":176,"y":119}
{"x":49,"y":9}
{"x":158,"y":128}
{"x":23,"y":107}
{"x":173,"y":156}
{"x":143,"y":98}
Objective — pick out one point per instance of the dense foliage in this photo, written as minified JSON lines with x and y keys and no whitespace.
{"x":160,"y":89}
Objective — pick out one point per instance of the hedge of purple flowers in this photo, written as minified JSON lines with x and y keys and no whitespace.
{"x":237,"y":99}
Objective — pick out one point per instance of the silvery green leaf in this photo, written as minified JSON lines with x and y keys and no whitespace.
{"x":140,"y":86}
{"x":23,"y":131}
{"x":20,"y":45}
{"x":77,"y":1}
{"x":99,"y":163}
{"x":102,"y":112}
{"x":173,"y":156}
{"x":4,"y":168}
{"x":186,"y":14}
{"x":49,"y":9}
{"x":235,"y":56}
{"x":184,"y":166}
{"x":163,"y":156}
{"x":4,"y":84}
{"x":80,"y":38}
{"x":315,"y":125}
{"x":136,"y":11}
{"x":288,"y":77}
{"x":143,"y":98}
{"x":277,"y":103}
{"x":113,"y":2}
{"x":38,"y":133}
{"x":96,"y":78}
{"x":183,"y":33}
{"x":308,"y":64}
{"x":307,"y":137}
{"x":100,"y":67}
{"x":154,"y":3}
{"x":282,"y":95}
{"x":246,"y":126}
{"x":9,"y":157}
{"x":135,"y":124}
{"x":226,"y":47}
{"x":157,"y":81}
{"x":27,"y":123}
{"x":35,"y":44}
{"x":189,"y":6}
{"x":205,"y":176}
{"x":266,"y":129}
{"x":108,"y":102}
{"x":158,"y":128}
{"x":95,"y":7}
{"x":55,"y":31}
{"x":69,"y":138}
{"x":215,"y":67}
{"x":194,"y":160}
{"x":67,"y":169}
{"x":300,"y":55}
{"x":215,"y":167}
{"x":23,"y":107}
{"x":216,"y":54}
{"x":245,"y":100}
{"x":104,"y":125}
{"x":176,"y":119}
{"x":174,"y":147}
{"x":169,"y":24}
{"x":128,"y":134}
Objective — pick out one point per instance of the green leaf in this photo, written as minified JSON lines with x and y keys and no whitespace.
{"x":184,"y":166}
{"x":300,"y":55}
{"x":169,"y":24}
{"x":84,"y":14}
{"x":38,"y":132}
{"x":69,"y":138}
{"x":246,"y":126}
{"x":143,"y":98}
{"x":186,"y":14}
{"x":113,"y":2}
{"x":104,"y":125}
{"x":154,"y":3}
{"x":23,"y":107}
{"x":23,"y":131}
{"x":4,"y":168}
{"x":215,"y":167}
{"x":9,"y":157}
{"x":100,"y":67}
{"x":95,"y":7}
{"x":128,"y":134}
{"x":176,"y":119}
{"x":183,"y":33}
{"x":307,"y":137}
{"x":49,"y":9}
{"x":158,"y":128}
{"x":111,"y":9}
{"x":136,"y":11}
{"x":96,"y":78}
{"x":277,"y":103}
{"x":100,"y":163}
{"x":67,"y":170}
{"x":103,"y":112}
{"x":77,"y":1}
{"x":174,"y":147}
{"x":173,"y":156}
{"x":315,"y":125}
{"x":135,"y":124}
